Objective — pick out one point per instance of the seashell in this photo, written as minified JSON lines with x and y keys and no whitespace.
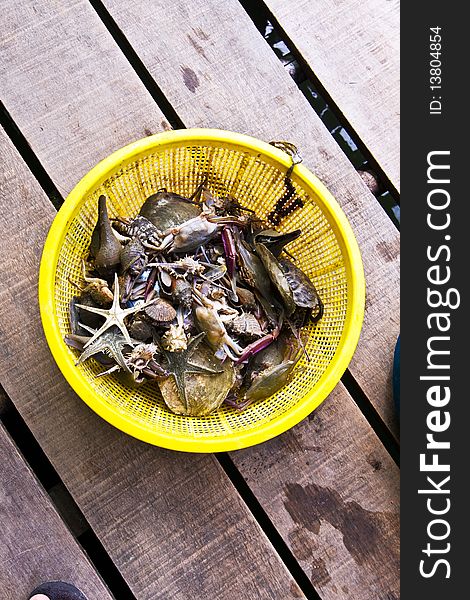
{"x":104,"y":247}
{"x":175,"y":340}
{"x":245,"y":324}
{"x":99,"y":291}
{"x":182,"y":292}
{"x":141,"y":355}
{"x":160,"y":311}
{"x":166,"y":281}
{"x":246,"y":298}
{"x":204,"y":392}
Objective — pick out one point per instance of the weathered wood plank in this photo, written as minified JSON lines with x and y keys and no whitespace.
{"x":332,"y":492}
{"x":97,"y":458}
{"x":36,"y":545}
{"x":173,"y":524}
{"x":238,"y":81}
{"x":217,"y":71}
{"x":69,"y":88}
{"x":353,"y":47}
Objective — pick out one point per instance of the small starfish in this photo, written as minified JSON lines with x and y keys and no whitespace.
{"x":179,"y":364}
{"x":110,"y":343}
{"x":114,"y":315}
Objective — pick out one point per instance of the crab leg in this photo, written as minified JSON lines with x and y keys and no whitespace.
{"x":230,"y":258}
{"x":150,"y":282}
{"x":229,"y":249}
{"x":196,"y":195}
{"x":258,"y":345}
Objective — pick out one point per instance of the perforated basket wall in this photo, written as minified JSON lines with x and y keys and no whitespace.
{"x":256,"y":179}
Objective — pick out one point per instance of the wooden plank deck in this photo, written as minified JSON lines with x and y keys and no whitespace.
{"x":268,"y":90}
{"x":35,"y":544}
{"x":332,"y":491}
{"x":240,"y":81}
{"x":173,"y":524}
{"x":81,"y":103}
{"x":353,"y":48}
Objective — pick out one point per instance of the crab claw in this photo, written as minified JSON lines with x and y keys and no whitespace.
{"x":214,"y":328}
{"x":257,"y":346}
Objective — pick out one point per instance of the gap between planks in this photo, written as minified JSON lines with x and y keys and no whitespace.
{"x":216,"y":102}
{"x":36,"y":544}
{"x":363,"y":38}
{"x":191,"y":529}
{"x":59,"y":496}
{"x":307,"y":82}
{"x":122,"y":132}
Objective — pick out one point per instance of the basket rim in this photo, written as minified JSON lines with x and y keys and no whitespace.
{"x":330,"y":378}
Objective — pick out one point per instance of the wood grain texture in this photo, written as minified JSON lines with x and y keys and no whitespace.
{"x":217,"y":71}
{"x":237,"y":85}
{"x":219,"y":75}
{"x":73,"y":112}
{"x":353,"y":47}
{"x":172,"y":523}
{"x":333,"y":493}
{"x":36,"y":545}
{"x":69,"y":88}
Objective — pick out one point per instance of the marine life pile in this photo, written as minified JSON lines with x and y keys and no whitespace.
{"x":196,"y":295}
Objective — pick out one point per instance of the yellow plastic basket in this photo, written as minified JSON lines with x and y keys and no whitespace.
{"x":253,"y":172}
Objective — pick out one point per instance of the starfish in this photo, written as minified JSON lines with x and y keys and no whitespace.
{"x":179,"y":364}
{"x":114,"y":315}
{"x":110,"y":343}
